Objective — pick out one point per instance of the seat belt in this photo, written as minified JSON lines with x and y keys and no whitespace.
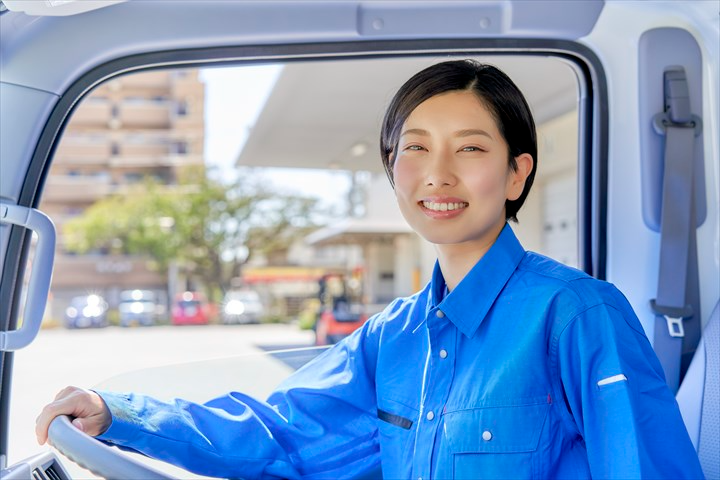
{"x":678,"y":250}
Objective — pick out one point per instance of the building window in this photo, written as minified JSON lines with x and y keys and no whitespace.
{"x":133,"y":177}
{"x":181,"y":108}
{"x":179,"y":147}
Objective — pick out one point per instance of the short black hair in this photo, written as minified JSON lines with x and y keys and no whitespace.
{"x":493,"y":88}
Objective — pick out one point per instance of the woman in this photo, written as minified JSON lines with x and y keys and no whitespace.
{"x":506,"y":365}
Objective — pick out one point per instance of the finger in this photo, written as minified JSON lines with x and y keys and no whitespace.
{"x":68,"y":405}
{"x":65,"y":392}
{"x":90,"y":413}
{"x":78,"y":424}
{"x":42,"y":423}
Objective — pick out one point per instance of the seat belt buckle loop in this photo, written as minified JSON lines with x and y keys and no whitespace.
{"x":673,"y":317}
{"x":675,"y":326}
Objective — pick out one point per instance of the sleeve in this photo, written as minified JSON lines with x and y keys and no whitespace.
{"x":616,"y":391}
{"x":319,"y":423}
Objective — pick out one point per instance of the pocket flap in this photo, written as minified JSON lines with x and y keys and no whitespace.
{"x":397,"y":414}
{"x":496,"y":429}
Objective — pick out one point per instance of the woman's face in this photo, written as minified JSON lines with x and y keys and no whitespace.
{"x":451,"y":171}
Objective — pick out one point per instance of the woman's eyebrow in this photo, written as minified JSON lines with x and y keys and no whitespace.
{"x":467,"y":132}
{"x":415,"y":131}
{"x":473,"y":131}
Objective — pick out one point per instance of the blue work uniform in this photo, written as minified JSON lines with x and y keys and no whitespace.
{"x":527,"y":369}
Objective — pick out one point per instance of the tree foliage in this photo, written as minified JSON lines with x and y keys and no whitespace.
{"x":207,"y":227}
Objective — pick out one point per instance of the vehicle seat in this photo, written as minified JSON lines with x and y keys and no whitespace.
{"x":699,"y":397}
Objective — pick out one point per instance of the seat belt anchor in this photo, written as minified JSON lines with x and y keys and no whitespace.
{"x":677,"y":109}
{"x":661,"y":122}
{"x":673,"y":317}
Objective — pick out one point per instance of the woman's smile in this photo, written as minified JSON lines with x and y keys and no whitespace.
{"x":442,"y":208}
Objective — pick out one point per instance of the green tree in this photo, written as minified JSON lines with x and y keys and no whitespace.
{"x":209,"y":228}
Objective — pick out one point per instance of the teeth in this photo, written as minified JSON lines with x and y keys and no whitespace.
{"x":443,"y":207}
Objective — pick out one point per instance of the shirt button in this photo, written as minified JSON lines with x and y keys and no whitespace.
{"x":430,"y":415}
{"x":439,"y":314}
{"x":487,"y":435}
{"x":443,"y":353}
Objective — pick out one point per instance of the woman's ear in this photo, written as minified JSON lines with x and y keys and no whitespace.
{"x":516,"y":179}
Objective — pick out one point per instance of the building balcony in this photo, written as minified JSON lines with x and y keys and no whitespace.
{"x":95,"y":113}
{"x":137,"y":161}
{"x":78,"y":148}
{"x":154,"y":115}
{"x":81,"y":160}
{"x":104,"y":114}
{"x":82,"y":154}
{"x":154,"y":80}
{"x":145,"y":149}
{"x":149,"y":161}
{"x":77,"y":188}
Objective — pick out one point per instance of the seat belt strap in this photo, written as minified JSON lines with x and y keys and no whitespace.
{"x":677,"y":229}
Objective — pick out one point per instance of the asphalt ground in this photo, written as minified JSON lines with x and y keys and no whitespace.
{"x":192,"y":362}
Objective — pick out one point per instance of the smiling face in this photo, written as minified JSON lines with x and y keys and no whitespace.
{"x":451,"y":172}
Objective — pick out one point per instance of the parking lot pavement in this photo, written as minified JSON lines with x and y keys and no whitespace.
{"x":88,"y":358}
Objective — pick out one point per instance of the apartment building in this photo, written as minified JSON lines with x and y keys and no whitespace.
{"x":137,"y":125}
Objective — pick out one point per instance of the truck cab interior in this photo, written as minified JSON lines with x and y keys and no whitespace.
{"x":625,"y":95}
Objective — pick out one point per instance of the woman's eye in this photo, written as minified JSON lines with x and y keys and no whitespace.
{"x":472,"y":148}
{"x":415,"y":148}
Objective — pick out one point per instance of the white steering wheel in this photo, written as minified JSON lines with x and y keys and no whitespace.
{"x":96,"y":456}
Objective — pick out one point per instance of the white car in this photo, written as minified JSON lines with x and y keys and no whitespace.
{"x":604,"y":78}
{"x":86,"y":311}
{"x":242,"y":306}
{"x":138,"y":307}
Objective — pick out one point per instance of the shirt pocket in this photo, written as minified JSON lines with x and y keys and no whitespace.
{"x":396,"y":427}
{"x":496,"y":442}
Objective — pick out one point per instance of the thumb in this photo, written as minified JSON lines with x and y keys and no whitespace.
{"x":78,"y":424}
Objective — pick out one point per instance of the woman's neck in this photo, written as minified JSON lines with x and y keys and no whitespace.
{"x":456,"y":260}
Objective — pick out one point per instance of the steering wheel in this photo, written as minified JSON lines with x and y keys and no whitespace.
{"x":94,"y":455}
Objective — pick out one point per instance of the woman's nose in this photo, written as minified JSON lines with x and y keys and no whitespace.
{"x":440,"y":171}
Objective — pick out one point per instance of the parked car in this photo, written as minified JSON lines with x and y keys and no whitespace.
{"x":242,"y":306}
{"x":86,"y":311}
{"x":138,"y":307}
{"x":190,"y":308}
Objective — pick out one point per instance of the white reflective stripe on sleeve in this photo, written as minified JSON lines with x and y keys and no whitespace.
{"x":615,"y":378}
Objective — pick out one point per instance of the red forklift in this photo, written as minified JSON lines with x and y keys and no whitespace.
{"x":342,"y":310}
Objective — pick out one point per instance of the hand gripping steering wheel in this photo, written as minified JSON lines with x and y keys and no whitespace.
{"x":96,"y":456}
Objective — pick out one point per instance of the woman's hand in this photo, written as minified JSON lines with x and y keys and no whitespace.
{"x":87,"y":409}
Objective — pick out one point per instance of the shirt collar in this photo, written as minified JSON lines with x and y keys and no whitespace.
{"x":468,"y":304}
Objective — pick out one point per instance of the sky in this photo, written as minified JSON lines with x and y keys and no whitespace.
{"x":234,"y":97}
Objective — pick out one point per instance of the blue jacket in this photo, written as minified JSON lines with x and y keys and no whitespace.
{"x":528,"y":369}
